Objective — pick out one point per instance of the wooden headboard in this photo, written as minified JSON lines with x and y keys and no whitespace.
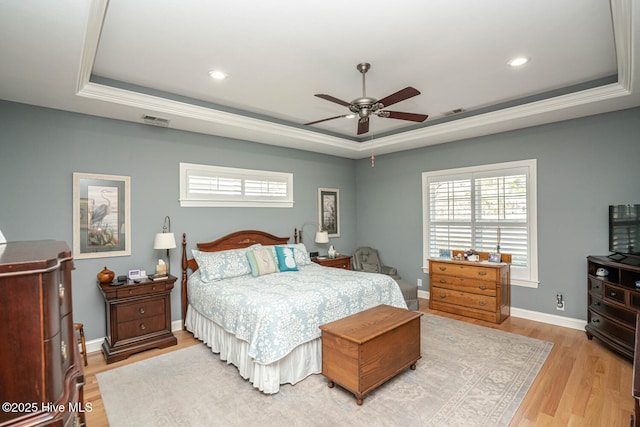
{"x":237,"y":240}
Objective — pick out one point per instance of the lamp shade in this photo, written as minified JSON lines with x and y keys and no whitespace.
{"x":164,"y":241}
{"x":322,"y":236}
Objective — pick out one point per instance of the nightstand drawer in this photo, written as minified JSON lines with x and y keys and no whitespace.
{"x":140,"y":327}
{"x":140,"y":309}
{"x":480,"y":302}
{"x":136,"y":290}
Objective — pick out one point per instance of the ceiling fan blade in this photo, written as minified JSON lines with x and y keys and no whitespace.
{"x":363,"y":125}
{"x":400,"y":95}
{"x":405,"y":116}
{"x":330,"y":118}
{"x":332,"y":99}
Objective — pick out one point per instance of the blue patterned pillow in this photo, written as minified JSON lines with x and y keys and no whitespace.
{"x":222,"y":265}
{"x":286,"y":259}
{"x":261,"y":262}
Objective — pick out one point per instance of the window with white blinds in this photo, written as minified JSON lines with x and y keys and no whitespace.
{"x":203,"y":185}
{"x":486,"y":208}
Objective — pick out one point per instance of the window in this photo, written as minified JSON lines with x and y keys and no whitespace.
{"x":484,"y":207}
{"x":202,"y":185}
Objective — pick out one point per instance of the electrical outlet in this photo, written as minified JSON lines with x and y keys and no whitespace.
{"x":419,"y":283}
{"x":559,"y":302}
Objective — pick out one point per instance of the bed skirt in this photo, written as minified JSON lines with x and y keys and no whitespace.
{"x":302,"y":361}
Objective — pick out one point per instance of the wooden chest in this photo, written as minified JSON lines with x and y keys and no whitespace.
{"x":362,"y":351}
{"x":474,"y":289}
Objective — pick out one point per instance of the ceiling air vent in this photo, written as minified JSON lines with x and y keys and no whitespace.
{"x":453,"y":112}
{"x":156,"y":121}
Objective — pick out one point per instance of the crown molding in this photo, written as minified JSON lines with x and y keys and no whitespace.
{"x":194,"y":118}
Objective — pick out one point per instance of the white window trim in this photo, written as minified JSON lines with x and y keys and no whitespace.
{"x":191,"y":200}
{"x":532,"y":197}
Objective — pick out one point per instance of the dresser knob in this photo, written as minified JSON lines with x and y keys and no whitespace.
{"x":130,"y":291}
{"x":442,"y":268}
{"x":613,"y":294}
{"x":443,"y":281}
{"x":63,"y":351}
{"x":141,"y":310}
{"x":482,"y":273}
{"x":443,"y":295}
{"x":143,"y":327}
{"x":153,"y":288}
{"x":61,"y":293}
{"x":595,"y":321}
{"x":482,"y":303}
{"x":482,"y":287}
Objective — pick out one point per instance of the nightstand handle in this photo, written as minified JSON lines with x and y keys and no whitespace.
{"x":141,"y":310}
{"x":142,"y":326}
{"x":61,"y":293}
{"x":63,"y":351}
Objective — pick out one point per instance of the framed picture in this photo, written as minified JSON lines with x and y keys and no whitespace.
{"x":329,"y":210}
{"x":445,"y":253}
{"x":495,"y":257}
{"x":101,"y":215}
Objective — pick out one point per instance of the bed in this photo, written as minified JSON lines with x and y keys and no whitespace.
{"x":266,"y":322}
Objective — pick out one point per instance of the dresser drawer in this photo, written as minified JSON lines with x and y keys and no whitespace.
{"x":613,"y":293}
{"x":464,"y":285}
{"x":465,"y":299}
{"x":595,"y":286}
{"x":467,"y":270}
{"x":612,"y":329}
{"x":613,"y":311}
{"x":140,"y":327}
{"x":137,"y":290}
{"x":140,"y":309}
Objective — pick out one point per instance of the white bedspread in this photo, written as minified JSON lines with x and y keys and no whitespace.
{"x":278,"y":312}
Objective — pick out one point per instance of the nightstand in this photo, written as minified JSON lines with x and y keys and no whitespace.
{"x":341,"y":261}
{"x":138,"y":317}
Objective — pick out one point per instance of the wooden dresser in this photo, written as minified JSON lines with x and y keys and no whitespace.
{"x":41,"y":379}
{"x":480,"y":290}
{"x":613,"y":302}
{"x":138,"y":318}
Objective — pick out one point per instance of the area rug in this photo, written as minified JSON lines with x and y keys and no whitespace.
{"x":469,"y":375}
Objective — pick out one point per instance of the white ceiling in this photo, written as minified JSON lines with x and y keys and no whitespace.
{"x":123,"y":59}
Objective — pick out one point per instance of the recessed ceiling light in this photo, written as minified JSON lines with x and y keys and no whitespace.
{"x":218,"y":75}
{"x":517,"y":62}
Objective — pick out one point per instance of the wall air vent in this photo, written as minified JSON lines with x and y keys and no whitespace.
{"x":156,"y":121}
{"x":453,"y":112}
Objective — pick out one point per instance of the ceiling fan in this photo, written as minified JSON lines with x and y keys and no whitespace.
{"x":365,"y":106}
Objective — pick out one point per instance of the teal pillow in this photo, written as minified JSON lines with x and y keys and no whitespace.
{"x":261,"y":262}
{"x":286,"y":259}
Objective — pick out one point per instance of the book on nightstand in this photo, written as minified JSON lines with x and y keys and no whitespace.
{"x":155,"y":277}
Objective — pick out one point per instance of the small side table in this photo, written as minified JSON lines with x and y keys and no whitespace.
{"x":341,"y":261}
{"x":138,"y":317}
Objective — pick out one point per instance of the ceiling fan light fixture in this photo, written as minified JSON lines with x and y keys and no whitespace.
{"x":218,"y":75}
{"x":518,"y":61}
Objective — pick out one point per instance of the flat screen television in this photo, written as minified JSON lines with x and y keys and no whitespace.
{"x":624,"y":230}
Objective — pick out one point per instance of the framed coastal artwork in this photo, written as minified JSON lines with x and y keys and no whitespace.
{"x":101,"y":215}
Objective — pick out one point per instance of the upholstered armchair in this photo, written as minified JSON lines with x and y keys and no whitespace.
{"x":367,"y":259}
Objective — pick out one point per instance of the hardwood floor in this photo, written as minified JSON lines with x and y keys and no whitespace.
{"x":582,"y":383}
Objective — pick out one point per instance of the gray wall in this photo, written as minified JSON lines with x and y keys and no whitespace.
{"x":41,"y":148}
{"x":583,"y":166}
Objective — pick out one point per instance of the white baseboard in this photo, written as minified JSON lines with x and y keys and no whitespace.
{"x":537,"y":316}
{"x":96,"y":345}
